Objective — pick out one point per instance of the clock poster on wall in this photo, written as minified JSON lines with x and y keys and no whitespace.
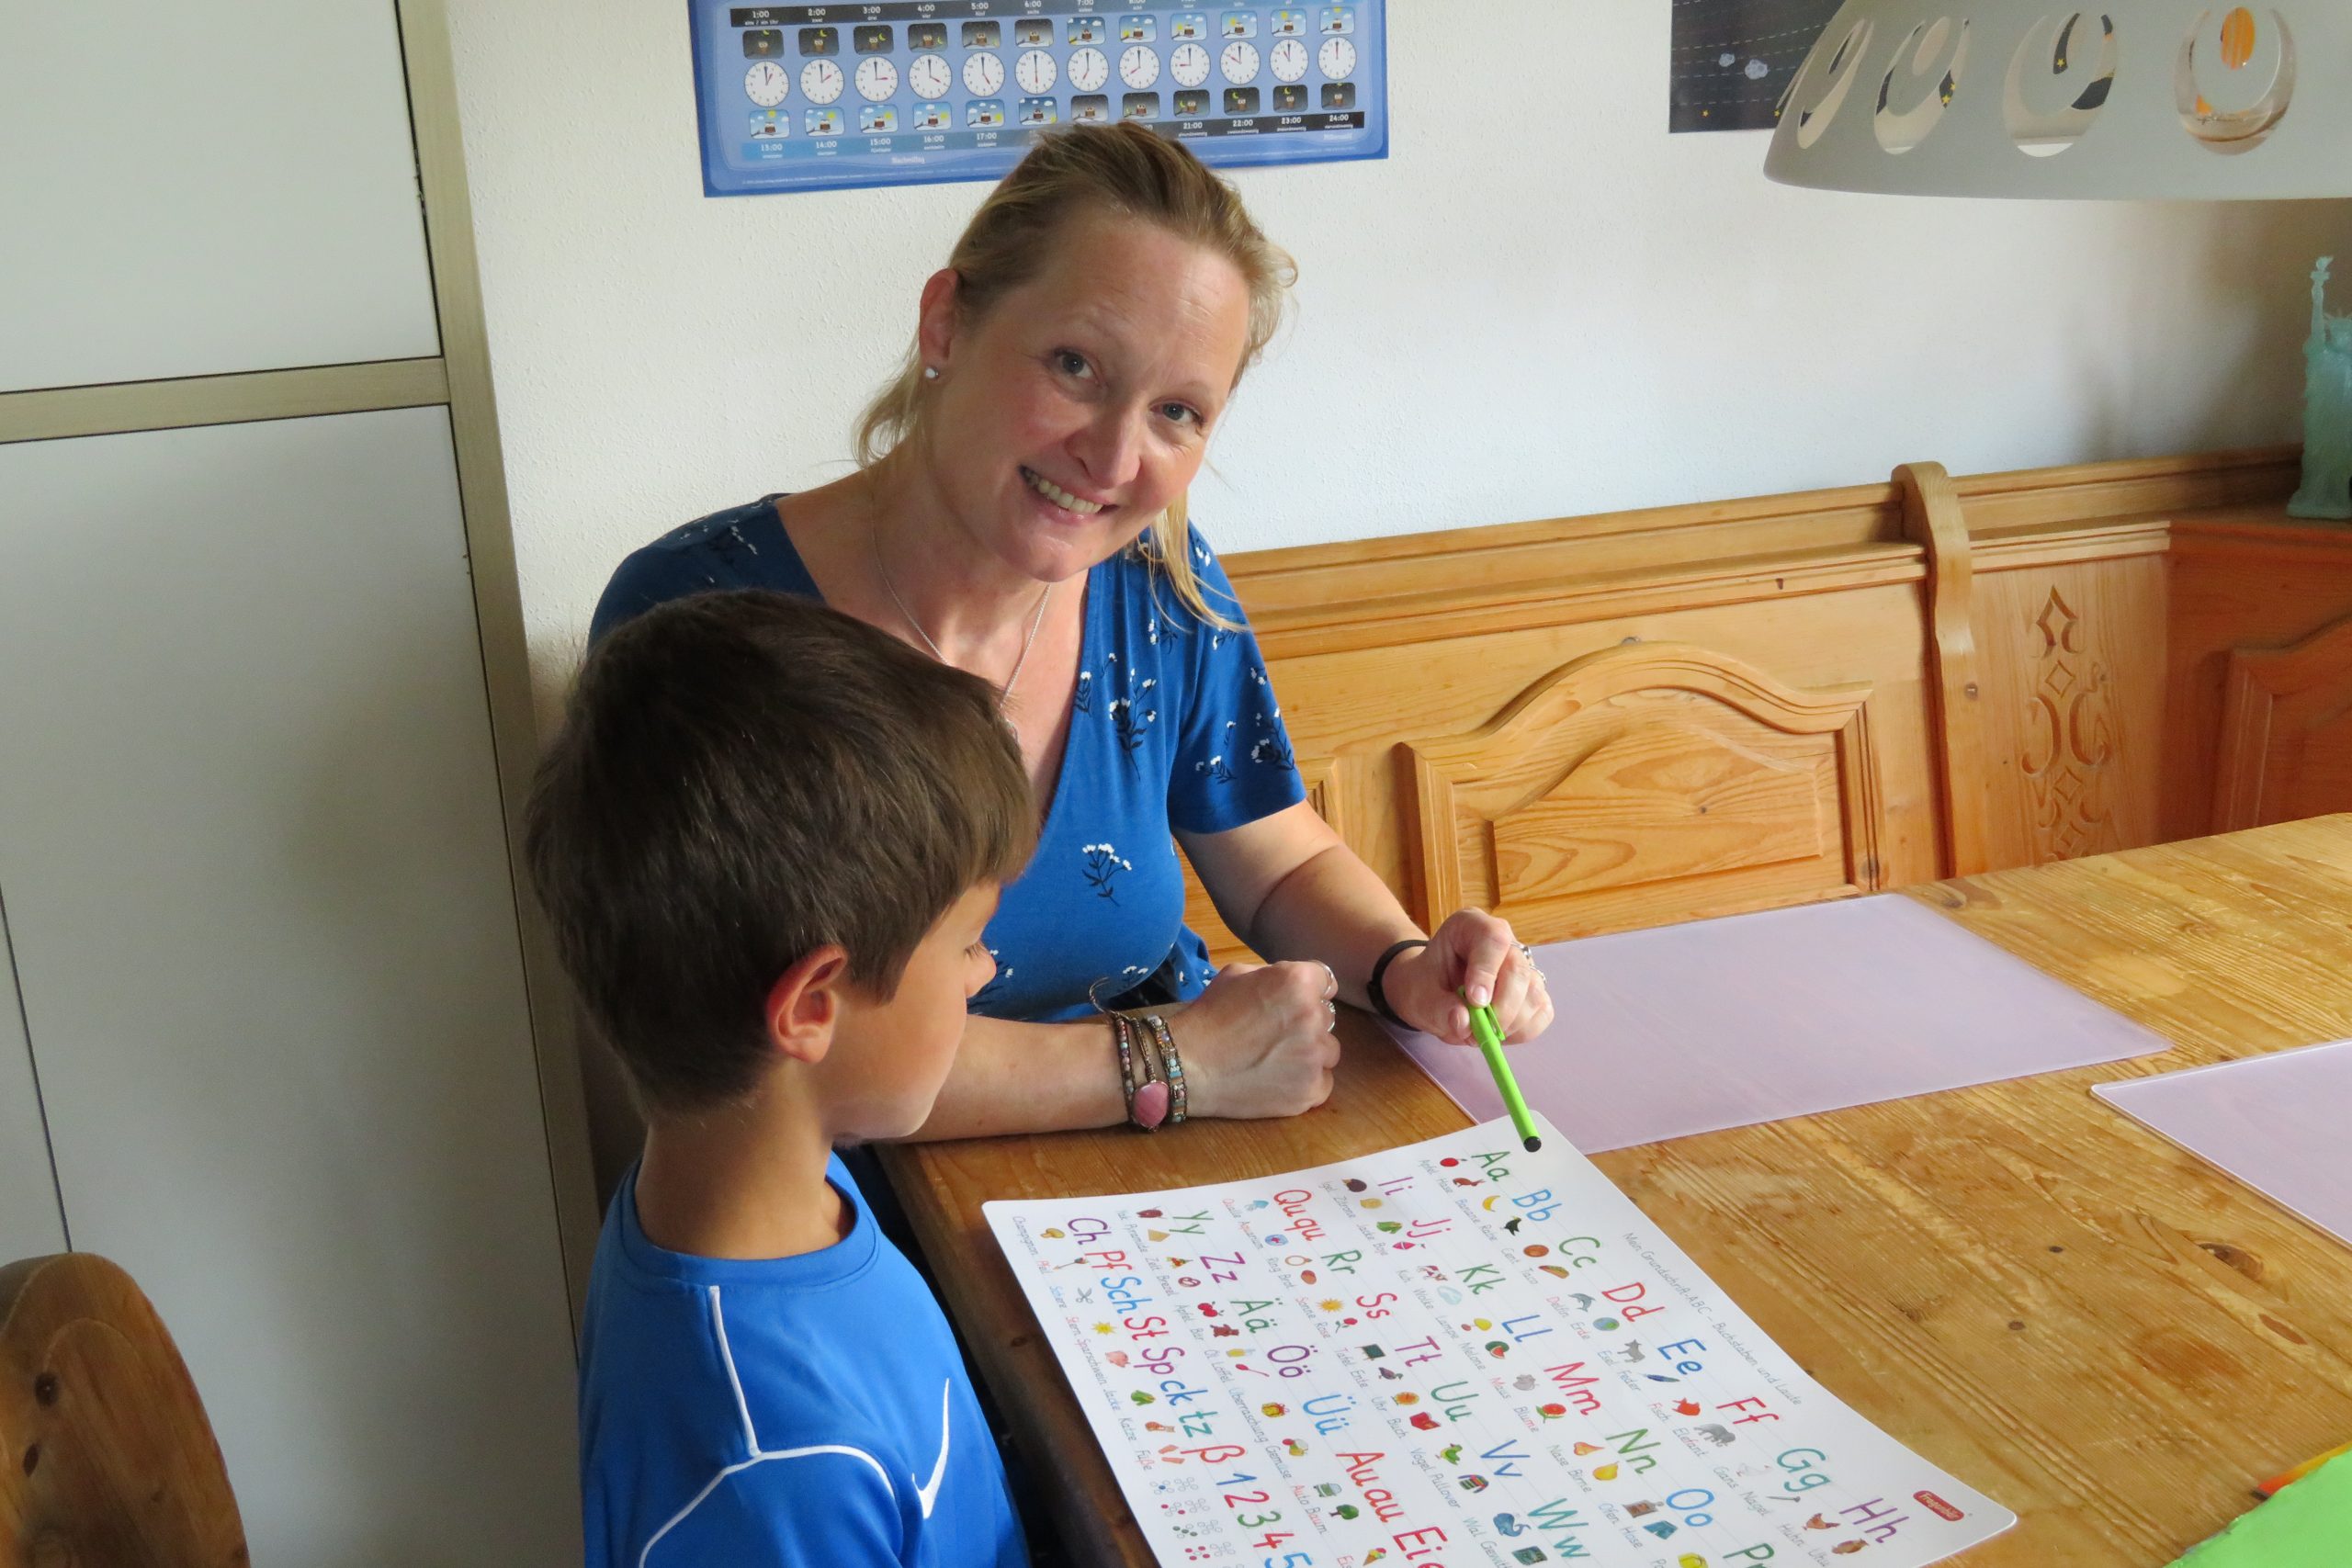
{"x":914,"y":92}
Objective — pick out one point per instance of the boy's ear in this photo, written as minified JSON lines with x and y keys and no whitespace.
{"x":805,"y":1004}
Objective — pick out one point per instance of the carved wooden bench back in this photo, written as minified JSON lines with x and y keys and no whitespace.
{"x":1595,"y":723}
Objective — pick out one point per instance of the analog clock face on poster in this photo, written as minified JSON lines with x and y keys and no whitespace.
{"x":876,"y":79}
{"x":929,"y":76}
{"x":766,"y":83}
{"x":1036,"y":72}
{"x":821,"y":81}
{"x":983,"y":74}
{"x":1140,"y":66}
{"x":1239,"y":62}
{"x":1337,"y":59}
{"x":1288,"y":60}
{"x":1088,"y":70}
{"x":1189,"y":64}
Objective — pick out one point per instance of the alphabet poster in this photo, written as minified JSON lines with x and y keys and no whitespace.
{"x":1453,"y":1353}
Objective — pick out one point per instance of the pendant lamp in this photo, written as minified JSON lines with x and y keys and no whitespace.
{"x":2151,"y":99}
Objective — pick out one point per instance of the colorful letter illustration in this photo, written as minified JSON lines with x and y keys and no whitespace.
{"x":1385,"y":1362}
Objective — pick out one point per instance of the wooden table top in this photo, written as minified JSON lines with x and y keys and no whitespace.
{"x":2026,"y":1287}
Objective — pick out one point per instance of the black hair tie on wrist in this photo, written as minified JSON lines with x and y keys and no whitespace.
{"x":1379,"y":967}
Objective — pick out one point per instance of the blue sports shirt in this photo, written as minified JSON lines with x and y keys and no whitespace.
{"x":807,"y":1412}
{"x":1175,"y":727}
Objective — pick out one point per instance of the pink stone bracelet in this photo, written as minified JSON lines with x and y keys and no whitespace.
{"x":1146,"y":1095}
{"x":1171,"y":1065}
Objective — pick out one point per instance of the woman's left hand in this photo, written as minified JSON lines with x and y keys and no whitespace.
{"x":1477,"y":953}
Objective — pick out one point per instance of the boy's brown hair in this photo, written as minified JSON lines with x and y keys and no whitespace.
{"x":742,"y":778}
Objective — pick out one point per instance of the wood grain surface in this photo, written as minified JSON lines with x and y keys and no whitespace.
{"x":2026,"y":1287}
{"x":110,"y":1461}
{"x":2244,"y":579}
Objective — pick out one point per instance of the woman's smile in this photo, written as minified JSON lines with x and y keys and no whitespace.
{"x":1078,"y":508}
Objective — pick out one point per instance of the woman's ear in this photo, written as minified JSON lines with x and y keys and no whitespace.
{"x":942,"y":314}
{"x":805,"y":1004}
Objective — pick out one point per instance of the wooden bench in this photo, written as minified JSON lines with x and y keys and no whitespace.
{"x":1595,"y":723}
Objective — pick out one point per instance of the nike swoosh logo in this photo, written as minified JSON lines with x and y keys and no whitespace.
{"x":929,"y":1491}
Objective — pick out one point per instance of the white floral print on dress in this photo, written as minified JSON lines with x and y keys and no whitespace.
{"x":1103,"y":865}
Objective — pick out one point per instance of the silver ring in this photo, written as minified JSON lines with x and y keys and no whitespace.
{"x":1528,"y":953}
{"x":1330,"y":974}
{"x":1334,"y":1025}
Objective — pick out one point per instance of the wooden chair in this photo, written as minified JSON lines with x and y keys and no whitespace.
{"x":106,"y":1457}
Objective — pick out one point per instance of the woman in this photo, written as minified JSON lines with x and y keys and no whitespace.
{"x":1019,"y":512}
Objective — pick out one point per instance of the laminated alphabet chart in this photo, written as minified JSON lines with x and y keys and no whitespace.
{"x":897,"y":92}
{"x":1453,"y":1353}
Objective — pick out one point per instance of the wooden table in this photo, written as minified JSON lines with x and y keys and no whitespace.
{"x":2022,"y":1284}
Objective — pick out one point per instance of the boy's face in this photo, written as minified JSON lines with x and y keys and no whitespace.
{"x":889,"y":1058}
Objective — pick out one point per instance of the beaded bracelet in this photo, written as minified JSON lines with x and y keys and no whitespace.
{"x":1150,"y":1073}
{"x":1148,"y":1052}
{"x":1148,"y":1094}
{"x":1126,"y":1060}
{"x":1171,"y":1063}
{"x":1147,"y":1105}
{"x":1146,"y":1110}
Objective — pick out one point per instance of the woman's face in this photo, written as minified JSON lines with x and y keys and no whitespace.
{"x":1070,"y":415}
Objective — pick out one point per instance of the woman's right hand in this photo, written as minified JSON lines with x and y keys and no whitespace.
{"x":1259,"y":1041}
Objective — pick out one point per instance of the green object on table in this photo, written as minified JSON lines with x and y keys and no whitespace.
{"x":2309,"y":1524}
{"x":1490,"y":1045}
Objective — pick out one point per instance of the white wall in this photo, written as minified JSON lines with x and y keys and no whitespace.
{"x":1540,"y":304}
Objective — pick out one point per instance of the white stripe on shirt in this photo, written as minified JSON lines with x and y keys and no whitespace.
{"x":761,"y":1456}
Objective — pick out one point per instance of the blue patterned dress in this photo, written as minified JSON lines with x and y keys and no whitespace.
{"x":1174,"y":726}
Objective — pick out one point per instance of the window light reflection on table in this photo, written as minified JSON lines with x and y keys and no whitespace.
{"x":2154,"y":99}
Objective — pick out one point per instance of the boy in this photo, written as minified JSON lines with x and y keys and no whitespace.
{"x":768,"y":840}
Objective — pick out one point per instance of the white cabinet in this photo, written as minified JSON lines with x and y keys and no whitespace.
{"x":207,"y":187}
{"x":30,"y":1223}
{"x":300,"y":1067}
{"x":255,"y":874}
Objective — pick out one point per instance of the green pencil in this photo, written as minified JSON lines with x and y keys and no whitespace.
{"x":1490,"y":1045}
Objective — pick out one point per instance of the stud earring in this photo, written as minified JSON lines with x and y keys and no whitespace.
{"x":931,"y":372}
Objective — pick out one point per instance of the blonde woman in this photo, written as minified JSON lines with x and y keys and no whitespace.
{"x":1019,"y":513}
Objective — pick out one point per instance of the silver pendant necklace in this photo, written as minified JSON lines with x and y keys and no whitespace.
{"x":874,"y":536}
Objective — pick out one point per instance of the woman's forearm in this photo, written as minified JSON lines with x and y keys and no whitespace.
{"x":1028,"y":1077}
{"x":1011,"y":1077}
{"x":1332,"y":908}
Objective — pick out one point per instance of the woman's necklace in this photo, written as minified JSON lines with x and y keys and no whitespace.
{"x":874,"y":537}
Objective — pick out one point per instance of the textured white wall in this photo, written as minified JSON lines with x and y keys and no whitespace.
{"x":1540,"y":304}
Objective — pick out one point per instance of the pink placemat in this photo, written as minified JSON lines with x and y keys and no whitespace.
{"x":1753,"y":1018}
{"x":2276,"y":1123}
